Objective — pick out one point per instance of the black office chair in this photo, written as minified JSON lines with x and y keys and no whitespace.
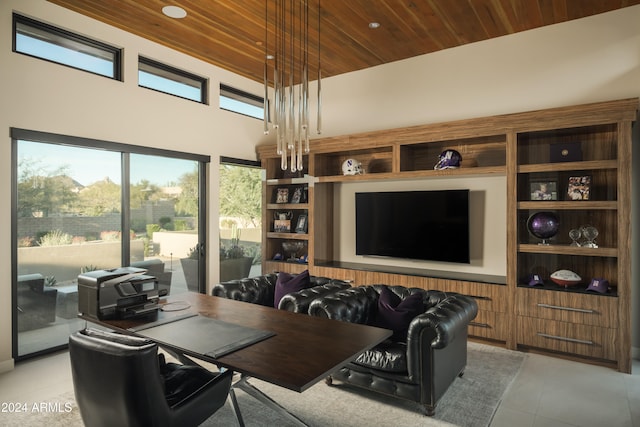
{"x":121,"y":380}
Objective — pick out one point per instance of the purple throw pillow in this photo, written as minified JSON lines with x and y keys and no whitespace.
{"x":287,"y":283}
{"x":396,"y":314}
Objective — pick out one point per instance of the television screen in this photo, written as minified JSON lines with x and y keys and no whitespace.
{"x":423,"y":225}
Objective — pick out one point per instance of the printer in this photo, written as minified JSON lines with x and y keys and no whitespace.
{"x":120,"y":293}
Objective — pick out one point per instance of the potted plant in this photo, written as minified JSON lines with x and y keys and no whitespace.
{"x":233,"y":262}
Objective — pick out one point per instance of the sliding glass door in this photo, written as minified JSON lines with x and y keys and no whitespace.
{"x":240,"y":219}
{"x":164,"y":205}
{"x":82,"y":205}
{"x":68,"y":222}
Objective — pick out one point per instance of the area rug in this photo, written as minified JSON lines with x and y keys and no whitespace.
{"x":471,"y":401}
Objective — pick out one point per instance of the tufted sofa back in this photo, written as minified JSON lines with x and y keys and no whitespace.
{"x":359,"y":304}
{"x":261,"y":289}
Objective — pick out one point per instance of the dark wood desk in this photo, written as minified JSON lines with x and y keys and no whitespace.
{"x":303,"y":350}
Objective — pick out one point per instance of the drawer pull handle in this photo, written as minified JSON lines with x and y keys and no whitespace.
{"x":555,"y":337}
{"x":479,"y":297}
{"x":480,"y":325}
{"x":557,"y":307}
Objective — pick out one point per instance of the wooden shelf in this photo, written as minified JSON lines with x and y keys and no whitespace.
{"x":568,"y":205}
{"x":290,"y":181}
{"x":287,"y":206}
{"x":447,"y":173}
{"x":567,"y":250}
{"x":288,"y":236}
{"x":569,"y":166}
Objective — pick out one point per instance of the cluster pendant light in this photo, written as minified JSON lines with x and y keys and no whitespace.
{"x":288,"y":51}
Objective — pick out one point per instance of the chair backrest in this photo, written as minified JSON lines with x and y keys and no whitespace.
{"x":116,"y":379}
{"x":119,"y":380}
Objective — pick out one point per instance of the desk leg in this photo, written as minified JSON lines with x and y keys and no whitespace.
{"x":236,"y":408}
{"x":251,"y":390}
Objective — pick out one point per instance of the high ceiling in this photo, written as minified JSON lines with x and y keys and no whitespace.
{"x":231,"y":33}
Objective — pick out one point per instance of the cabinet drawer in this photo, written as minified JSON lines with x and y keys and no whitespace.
{"x":567,"y":337}
{"x":489,"y":324}
{"x":489,"y":297}
{"x":570,"y":307}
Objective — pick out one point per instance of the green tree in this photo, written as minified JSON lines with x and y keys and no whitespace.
{"x":187,"y":201}
{"x":101,"y":197}
{"x":44,"y":192}
{"x":143,"y":192}
{"x":241,"y":193}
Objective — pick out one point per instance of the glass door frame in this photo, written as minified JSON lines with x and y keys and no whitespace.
{"x":125,"y":150}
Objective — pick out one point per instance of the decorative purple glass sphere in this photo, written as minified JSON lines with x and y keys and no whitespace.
{"x":543,"y":225}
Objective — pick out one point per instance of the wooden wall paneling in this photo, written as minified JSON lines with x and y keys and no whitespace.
{"x":624,"y":243}
{"x":518,"y":147}
{"x":512,"y":155}
{"x":322,"y":223}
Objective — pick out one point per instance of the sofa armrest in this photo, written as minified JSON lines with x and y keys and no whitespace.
{"x":299,"y":302}
{"x":255,"y":290}
{"x":444,"y":320}
{"x":355,"y":305}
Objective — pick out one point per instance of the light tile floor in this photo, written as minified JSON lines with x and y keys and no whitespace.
{"x":553,"y":392}
{"x":547,"y":392}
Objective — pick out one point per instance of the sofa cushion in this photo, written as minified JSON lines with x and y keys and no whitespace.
{"x":396,"y":314}
{"x":287,"y":283}
{"x":388,"y":356}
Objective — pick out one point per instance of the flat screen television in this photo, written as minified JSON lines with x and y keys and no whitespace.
{"x":422,"y":225}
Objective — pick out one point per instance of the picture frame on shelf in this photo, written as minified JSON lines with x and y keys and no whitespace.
{"x":302,"y":224}
{"x":298,"y":195}
{"x":282,"y":226}
{"x":282,"y":195}
{"x":544,"y":190}
{"x":579,"y":187}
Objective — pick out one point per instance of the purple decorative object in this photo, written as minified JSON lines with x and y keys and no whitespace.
{"x":543,"y":225}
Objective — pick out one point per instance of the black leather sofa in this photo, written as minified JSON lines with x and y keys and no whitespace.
{"x":36,"y":302}
{"x":261,"y":290}
{"x":419,"y":368}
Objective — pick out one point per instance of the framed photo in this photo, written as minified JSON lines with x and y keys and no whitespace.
{"x":282,"y":225}
{"x":282,"y":195}
{"x":544,"y":190}
{"x":297,"y":195}
{"x":302,"y":224}
{"x":579,"y":187}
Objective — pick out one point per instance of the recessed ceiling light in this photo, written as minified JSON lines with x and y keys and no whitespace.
{"x":174,"y":12}
{"x":374,"y":25}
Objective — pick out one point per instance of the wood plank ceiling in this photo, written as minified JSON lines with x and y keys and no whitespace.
{"x":231,"y":33}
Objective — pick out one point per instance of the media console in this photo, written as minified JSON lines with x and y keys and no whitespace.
{"x":418,"y":272}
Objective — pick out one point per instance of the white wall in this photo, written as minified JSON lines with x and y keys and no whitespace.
{"x":589,"y":60}
{"x":43,"y":96}
{"x":586,"y":60}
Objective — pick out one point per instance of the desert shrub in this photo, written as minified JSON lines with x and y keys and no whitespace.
{"x":55,"y":238}
{"x":180,"y":225}
{"x":110,"y":235}
{"x":152,"y":228}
